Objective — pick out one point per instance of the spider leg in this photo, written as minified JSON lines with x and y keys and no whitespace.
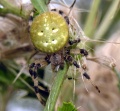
{"x":71,"y":7}
{"x":31,"y":19}
{"x":70,"y":59}
{"x":72,"y":42}
{"x":62,"y":14}
{"x":88,"y":77}
{"x":83,"y":52}
{"x":33,"y":68}
{"x":77,"y":51}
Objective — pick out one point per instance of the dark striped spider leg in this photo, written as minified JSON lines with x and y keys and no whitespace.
{"x":71,"y":60}
{"x":41,"y":91}
{"x":76,"y":51}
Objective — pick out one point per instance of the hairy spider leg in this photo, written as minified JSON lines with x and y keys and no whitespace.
{"x":70,"y":59}
{"x":71,"y":7}
{"x":33,"y":68}
{"x":30,"y":19}
{"x":62,"y":14}
{"x":88,"y":77}
{"x":76,"y":51}
{"x":72,"y":42}
{"x":83,"y":52}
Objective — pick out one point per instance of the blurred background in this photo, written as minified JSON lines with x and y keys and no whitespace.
{"x":100,"y":21}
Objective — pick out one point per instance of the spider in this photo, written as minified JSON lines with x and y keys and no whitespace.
{"x":50,"y":34}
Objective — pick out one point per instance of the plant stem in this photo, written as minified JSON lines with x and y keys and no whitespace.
{"x":110,"y":15}
{"x":9,"y":8}
{"x":89,"y":31}
{"x":3,"y":102}
{"x":50,"y":105}
{"x":40,"y":5}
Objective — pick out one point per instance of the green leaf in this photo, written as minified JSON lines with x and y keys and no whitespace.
{"x":55,"y":90}
{"x":89,"y":31}
{"x":40,"y":5}
{"x":67,"y":106}
{"x":108,"y":19}
{"x":118,"y":77}
{"x":10,"y":8}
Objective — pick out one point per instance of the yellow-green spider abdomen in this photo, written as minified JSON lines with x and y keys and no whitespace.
{"x":49,"y":32}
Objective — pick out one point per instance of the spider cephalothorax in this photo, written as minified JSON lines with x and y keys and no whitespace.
{"x":50,"y":34}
